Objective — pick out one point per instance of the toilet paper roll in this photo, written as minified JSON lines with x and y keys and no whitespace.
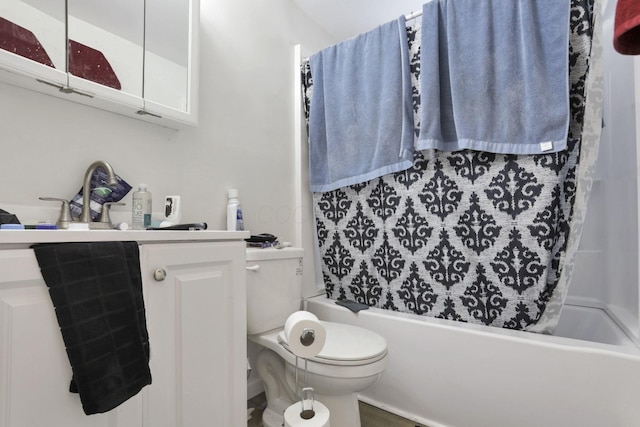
{"x":296,"y":332}
{"x":292,"y":417}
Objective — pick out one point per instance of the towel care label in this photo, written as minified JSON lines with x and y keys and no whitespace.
{"x":546,"y":146}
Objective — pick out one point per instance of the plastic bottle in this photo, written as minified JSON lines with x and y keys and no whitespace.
{"x":141,"y":208}
{"x":234,"y":212}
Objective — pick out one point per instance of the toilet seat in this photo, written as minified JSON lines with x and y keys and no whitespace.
{"x":347,"y":345}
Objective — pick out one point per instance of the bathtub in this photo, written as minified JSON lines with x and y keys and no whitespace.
{"x":449,"y":374}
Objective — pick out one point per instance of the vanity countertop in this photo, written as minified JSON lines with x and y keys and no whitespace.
{"x":16,"y":239}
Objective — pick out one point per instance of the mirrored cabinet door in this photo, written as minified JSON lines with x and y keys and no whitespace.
{"x":106,"y":48}
{"x":113,"y":55}
{"x":32,"y":38}
{"x":170,"y":69}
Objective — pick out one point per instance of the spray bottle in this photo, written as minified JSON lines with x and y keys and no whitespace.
{"x":234,"y":212}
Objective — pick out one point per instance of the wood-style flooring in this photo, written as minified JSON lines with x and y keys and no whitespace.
{"x":370,"y":416}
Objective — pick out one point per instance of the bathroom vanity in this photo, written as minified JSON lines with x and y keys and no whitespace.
{"x":194,"y":292}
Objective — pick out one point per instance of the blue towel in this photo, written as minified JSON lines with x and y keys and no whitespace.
{"x":494,"y":75}
{"x":361,"y":115}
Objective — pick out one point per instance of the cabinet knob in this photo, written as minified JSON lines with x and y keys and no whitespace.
{"x":160,"y":274}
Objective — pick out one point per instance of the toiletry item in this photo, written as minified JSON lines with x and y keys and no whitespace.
{"x":234,"y":212}
{"x":141,"y":208}
{"x":194,"y":226}
{"x":46,"y":226}
{"x":264,"y":240}
{"x":101,"y":193}
{"x":121,"y":226}
{"x":304,"y":334}
{"x":172,"y":209}
{"x":307,"y":413}
{"x":11,"y":227}
{"x":78,"y":226}
{"x":155,"y":223}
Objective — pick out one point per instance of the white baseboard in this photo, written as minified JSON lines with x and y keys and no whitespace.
{"x":254,"y":387}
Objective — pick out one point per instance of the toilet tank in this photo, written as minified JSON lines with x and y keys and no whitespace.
{"x":274,"y":287}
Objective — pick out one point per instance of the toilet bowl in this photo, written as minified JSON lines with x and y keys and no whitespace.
{"x":351,"y":360}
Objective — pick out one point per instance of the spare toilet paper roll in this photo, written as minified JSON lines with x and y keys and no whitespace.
{"x":296,"y":332}
{"x":292,"y":417}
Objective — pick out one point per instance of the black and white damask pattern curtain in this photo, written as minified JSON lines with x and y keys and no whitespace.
{"x":468,"y":236}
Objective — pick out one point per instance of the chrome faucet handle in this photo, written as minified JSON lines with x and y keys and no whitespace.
{"x":65,"y":213}
{"x":104,"y":215}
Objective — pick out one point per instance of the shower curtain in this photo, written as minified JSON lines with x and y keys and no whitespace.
{"x":470,"y":236}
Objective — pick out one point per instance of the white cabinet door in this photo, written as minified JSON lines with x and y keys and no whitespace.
{"x":195,"y":304}
{"x":34,"y":369}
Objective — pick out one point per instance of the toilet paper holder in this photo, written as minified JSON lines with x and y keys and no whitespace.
{"x":307,"y":414}
{"x":300,"y":415}
{"x":307,"y":337}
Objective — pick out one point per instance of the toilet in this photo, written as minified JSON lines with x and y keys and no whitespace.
{"x":351,"y":360}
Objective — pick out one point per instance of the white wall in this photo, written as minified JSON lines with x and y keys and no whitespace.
{"x":244,"y":139}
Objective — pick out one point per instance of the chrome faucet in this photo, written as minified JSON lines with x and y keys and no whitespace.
{"x":85,"y":215}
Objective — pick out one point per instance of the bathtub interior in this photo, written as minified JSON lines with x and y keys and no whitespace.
{"x":592,"y":325}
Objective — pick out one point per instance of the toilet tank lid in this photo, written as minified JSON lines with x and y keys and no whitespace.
{"x":258,"y":254}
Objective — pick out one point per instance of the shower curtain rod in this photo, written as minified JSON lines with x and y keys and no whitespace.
{"x":412,"y":15}
{"x":407,"y":17}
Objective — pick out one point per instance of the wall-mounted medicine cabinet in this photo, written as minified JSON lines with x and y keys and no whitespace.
{"x":133,"y":57}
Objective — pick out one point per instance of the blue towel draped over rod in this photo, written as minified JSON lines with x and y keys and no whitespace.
{"x":362,"y":123}
{"x":494,"y":76}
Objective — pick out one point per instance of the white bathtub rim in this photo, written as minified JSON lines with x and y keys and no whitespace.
{"x":629,"y":350}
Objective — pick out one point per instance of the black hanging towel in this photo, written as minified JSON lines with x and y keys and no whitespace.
{"x":96,"y":289}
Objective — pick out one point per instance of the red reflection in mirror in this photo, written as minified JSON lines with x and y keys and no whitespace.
{"x":91,"y":64}
{"x":19,"y":40}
